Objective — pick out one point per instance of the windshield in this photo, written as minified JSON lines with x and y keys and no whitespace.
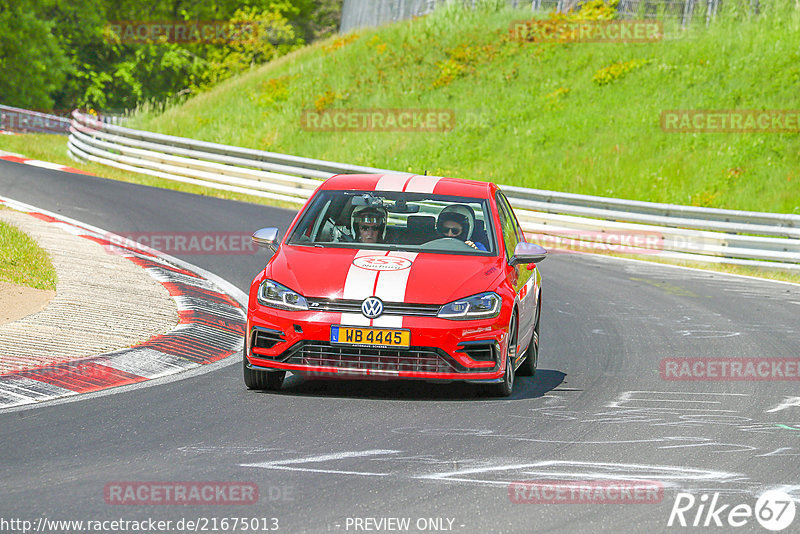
{"x":416,"y":222}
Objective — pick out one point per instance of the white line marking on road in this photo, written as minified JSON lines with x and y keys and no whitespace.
{"x":787,"y":402}
{"x":560,"y":470}
{"x":626,"y":398}
{"x":708,"y":334}
{"x":288,"y":465}
{"x":336,"y":456}
{"x":779,"y":452}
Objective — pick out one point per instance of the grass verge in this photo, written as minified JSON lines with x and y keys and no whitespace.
{"x":22,"y":261}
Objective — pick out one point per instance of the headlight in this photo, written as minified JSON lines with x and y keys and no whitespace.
{"x":482,"y":306}
{"x":275,"y":295}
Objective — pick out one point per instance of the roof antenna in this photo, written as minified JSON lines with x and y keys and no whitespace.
{"x":426,"y":172}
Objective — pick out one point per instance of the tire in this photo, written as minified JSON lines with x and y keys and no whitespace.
{"x":528,"y":367}
{"x":261,"y":380}
{"x":504,"y":388}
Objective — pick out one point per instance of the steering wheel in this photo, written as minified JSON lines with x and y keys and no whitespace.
{"x":447,"y":243}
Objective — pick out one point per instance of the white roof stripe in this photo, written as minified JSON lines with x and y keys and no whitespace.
{"x":422,"y":184}
{"x":392,"y":182}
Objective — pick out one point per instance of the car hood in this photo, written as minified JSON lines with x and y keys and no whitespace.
{"x":424,"y":278}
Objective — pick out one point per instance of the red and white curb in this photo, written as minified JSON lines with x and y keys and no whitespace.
{"x":16,"y":158}
{"x":211,"y":327}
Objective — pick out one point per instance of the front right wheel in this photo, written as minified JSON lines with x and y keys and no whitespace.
{"x":263,"y":380}
{"x":504,"y":388}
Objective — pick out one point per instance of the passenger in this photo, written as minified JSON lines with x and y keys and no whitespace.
{"x":458,"y":222}
{"x":369,"y":224}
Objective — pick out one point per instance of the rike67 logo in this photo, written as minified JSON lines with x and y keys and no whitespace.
{"x":774,"y":511}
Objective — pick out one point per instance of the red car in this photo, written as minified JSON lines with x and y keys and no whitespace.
{"x":397,"y":276}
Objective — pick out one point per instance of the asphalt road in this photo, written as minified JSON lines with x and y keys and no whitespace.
{"x":328,"y":456}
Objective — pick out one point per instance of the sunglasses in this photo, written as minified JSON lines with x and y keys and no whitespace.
{"x":451,"y":230}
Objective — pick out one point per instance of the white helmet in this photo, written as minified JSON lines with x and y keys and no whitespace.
{"x":368,"y":215}
{"x":463,"y":215}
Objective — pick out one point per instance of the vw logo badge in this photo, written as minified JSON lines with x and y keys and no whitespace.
{"x":372,"y":307}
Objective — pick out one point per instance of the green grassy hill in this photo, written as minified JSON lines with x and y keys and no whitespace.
{"x":534,"y":114}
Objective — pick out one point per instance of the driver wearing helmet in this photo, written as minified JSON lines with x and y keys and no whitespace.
{"x":458,"y":221}
{"x":369,"y":224}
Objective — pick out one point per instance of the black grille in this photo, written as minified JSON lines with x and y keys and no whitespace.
{"x":414,"y":359}
{"x":389,"y":308}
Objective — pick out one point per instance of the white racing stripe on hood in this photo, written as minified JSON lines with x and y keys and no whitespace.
{"x":389,"y":286}
{"x":392,"y":182}
{"x":422,"y":184}
{"x":392,"y":288}
{"x":357,"y":286}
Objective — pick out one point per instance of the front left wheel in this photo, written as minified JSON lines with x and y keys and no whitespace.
{"x":528,"y":367}
{"x":263,"y":380}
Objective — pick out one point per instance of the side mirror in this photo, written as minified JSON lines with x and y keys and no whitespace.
{"x":266,"y":238}
{"x":527,"y":253}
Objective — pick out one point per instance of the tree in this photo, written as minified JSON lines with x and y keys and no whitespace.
{"x":32,"y":64}
{"x":59,"y":52}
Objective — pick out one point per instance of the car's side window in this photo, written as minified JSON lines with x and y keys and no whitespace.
{"x":514,"y":221}
{"x":508,"y":226}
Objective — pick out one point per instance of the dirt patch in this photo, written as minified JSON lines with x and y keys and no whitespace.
{"x":18,"y":301}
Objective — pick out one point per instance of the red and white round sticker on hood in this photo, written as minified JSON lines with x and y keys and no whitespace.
{"x":382,"y":263}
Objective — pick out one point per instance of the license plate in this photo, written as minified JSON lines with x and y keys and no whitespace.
{"x":372,"y":337}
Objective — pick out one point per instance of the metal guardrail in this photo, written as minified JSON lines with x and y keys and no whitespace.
{"x":25,"y":121}
{"x":562,"y":220}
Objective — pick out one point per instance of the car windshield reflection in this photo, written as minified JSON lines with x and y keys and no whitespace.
{"x":414,"y":222}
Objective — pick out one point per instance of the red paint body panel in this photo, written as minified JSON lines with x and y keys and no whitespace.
{"x":352,"y":182}
{"x":443,"y":186}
